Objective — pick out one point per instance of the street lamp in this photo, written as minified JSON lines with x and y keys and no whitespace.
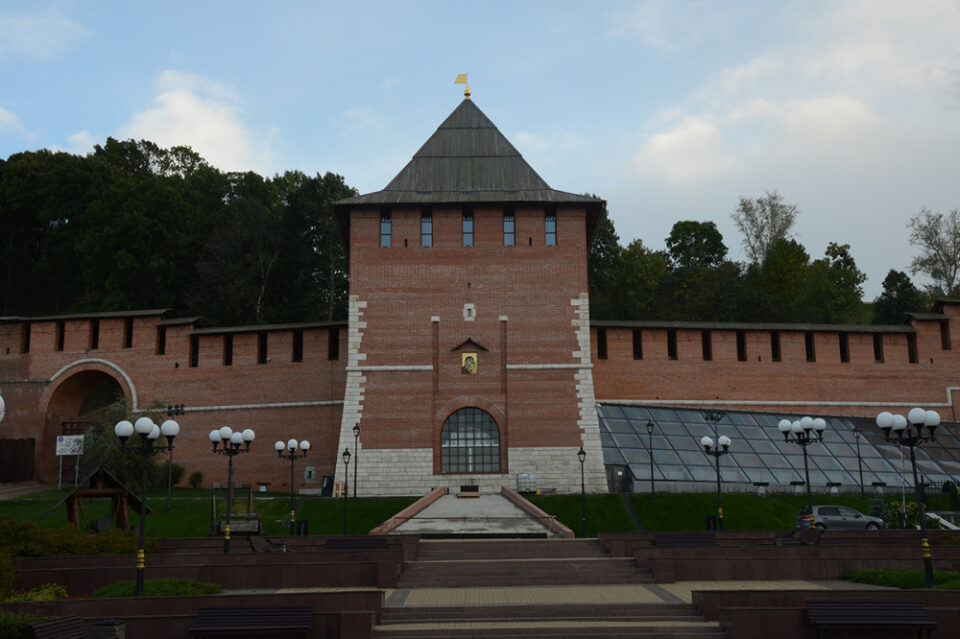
{"x":292,"y":446}
{"x":722,"y":448}
{"x":346,"y":490}
{"x":803,"y":432}
{"x":650,"y":434}
{"x":149,"y":433}
{"x":2,"y":408}
{"x":856,"y":438}
{"x":172,"y":411}
{"x":714,"y":417}
{"x":582,"y":455}
{"x":233,"y":444}
{"x":356,"y":460}
{"x":918,"y":418}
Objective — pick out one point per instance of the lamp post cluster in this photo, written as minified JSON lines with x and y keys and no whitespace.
{"x":227,"y":442}
{"x":292,"y":447}
{"x":897,"y":429}
{"x":718,"y":451}
{"x":803,"y":432}
{"x":653,"y":493}
{"x":356,"y":460}
{"x":173,"y":410}
{"x":149,"y":434}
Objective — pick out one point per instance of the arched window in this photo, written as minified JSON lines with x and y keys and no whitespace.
{"x":470,"y":443}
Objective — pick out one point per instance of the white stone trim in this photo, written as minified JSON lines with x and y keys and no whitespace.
{"x":589,"y":420}
{"x":103,"y":362}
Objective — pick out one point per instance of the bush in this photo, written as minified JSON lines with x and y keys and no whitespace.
{"x":16,"y":625}
{"x":46,"y":592}
{"x":158,"y":588}
{"x":176,"y":473}
{"x":196,"y":478}
{"x":954,"y":498}
{"x":7,"y":575}
{"x":26,"y":539}
{"x":902,"y":578}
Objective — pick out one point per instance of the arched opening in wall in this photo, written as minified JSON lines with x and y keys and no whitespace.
{"x":89,"y":401}
{"x":470,"y":442}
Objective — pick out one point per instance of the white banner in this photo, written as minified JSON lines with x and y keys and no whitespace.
{"x":70,"y":445}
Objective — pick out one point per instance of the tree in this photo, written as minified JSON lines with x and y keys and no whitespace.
{"x":604,"y":265}
{"x":938,"y":238}
{"x":899,"y":297}
{"x":764,"y":222}
{"x":695,"y":244}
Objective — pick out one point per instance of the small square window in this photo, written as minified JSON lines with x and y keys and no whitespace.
{"x":386,"y":229}
{"x":509,"y":227}
{"x":550,"y":228}
{"x":426,"y":228}
{"x":468,"y":227}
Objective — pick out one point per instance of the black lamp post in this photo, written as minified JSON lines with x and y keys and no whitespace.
{"x":292,"y":446}
{"x":582,"y":455}
{"x":653,"y":492}
{"x":172,"y":411}
{"x":356,"y":460}
{"x":233,"y":444}
{"x":856,"y":438}
{"x":346,"y":490}
{"x":918,"y":418}
{"x":714,"y":417}
{"x":722,"y":448}
{"x":804,"y":432}
{"x":149,"y":433}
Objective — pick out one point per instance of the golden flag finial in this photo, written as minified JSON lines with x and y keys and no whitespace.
{"x":462,"y":79}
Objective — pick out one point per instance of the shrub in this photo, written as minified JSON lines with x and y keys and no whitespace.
{"x":196,"y":478}
{"x":26,"y":539}
{"x":46,"y":592}
{"x":176,"y":473}
{"x":158,"y":588}
{"x":905,"y":578}
{"x":954,"y":498}
{"x":16,"y":625}
{"x":7,"y":575}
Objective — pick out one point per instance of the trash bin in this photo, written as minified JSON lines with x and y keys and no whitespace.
{"x":109,"y":629}
{"x":711,"y":522}
{"x":326,"y":486}
{"x":302,"y":527}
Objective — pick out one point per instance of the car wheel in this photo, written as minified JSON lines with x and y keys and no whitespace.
{"x":873,"y":526}
{"x":821,"y":527}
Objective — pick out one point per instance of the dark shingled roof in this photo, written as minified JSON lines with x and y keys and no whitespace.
{"x":467,"y":161}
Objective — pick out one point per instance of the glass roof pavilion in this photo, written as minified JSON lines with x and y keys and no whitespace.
{"x":759,"y":453}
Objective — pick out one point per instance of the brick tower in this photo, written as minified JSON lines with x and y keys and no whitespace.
{"x":469,"y":338}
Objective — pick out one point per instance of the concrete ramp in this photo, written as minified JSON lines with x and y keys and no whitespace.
{"x":485,"y":515}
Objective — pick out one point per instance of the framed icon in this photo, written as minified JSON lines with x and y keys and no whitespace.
{"x":468,"y":363}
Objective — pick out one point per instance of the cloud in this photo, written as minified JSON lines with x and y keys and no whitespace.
{"x":692,"y":151}
{"x":82,"y":142}
{"x":667,"y":26}
{"x":9,"y":121}
{"x":195,"y":111}
{"x":41,"y":34}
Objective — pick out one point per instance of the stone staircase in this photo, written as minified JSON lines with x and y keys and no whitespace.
{"x":561,"y":564}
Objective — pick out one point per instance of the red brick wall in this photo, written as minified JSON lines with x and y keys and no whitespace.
{"x":406,"y":285}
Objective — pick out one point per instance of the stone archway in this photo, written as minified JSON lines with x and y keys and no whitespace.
{"x":81,"y":395}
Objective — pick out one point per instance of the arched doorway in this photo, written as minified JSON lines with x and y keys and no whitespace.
{"x":79,"y":401}
{"x":470,"y":442}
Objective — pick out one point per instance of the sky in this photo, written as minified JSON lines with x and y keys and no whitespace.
{"x":669,"y":110}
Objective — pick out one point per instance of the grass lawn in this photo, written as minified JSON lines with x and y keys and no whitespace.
{"x":191,"y":514}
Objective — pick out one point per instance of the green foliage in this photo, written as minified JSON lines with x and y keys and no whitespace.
{"x":158,"y":588}
{"x":954,"y":498}
{"x":196,"y":478}
{"x":937,"y":236}
{"x":905,"y":578}
{"x":878,"y":508}
{"x":136,"y":222}
{"x":695,"y":244}
{"x":26,"y":539}
{"x":603,"y":512}
{"x":764,"y":222}
{"x":7,"y":575}
{"x":46,"y":592}
{"x":16,"y":625}
{"x":898,"y":298}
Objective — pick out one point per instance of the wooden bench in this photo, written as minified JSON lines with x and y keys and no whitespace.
{"x":262,"y":544}
{"x":800,"y":537}
{"x":685,"y":539}
{"x":869,"y":614}
{"x":60,"y":628}
{"x":347,"y":544}
{"x":273,"y":622}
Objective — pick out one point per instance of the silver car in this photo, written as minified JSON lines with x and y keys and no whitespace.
{"x":837,"y":518}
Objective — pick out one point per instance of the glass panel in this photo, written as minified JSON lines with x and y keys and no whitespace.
{"x":612,"y":456}
{"x":764,"y":447}
{"x":775,"y":461}
{"x":741,"y":418}
{"x":826,"y":463}
{"x":748,"y":460}
{"x":754,"y":432}
{"x":728,"y":474}
{"x":611,"y":410}
{"x":675,"y":472}
{"x":628,"y":441}
{"x":785,"y":476}
{"x":878,"y":465}
{"x":470,"y":443}
{"x":692,"y":457}
{"x":703,"y":473}
{"x":672,"y":428}
{"x":760,"y":474}
{"x":842,"y":450}
{"x":660,"y":415}
{"x":619,"y":426}
{"x":686,"y":443}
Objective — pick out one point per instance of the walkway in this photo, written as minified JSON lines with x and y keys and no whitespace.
{"x":484,"y":515}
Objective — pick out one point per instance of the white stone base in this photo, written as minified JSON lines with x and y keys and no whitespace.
{"x":409,"y":471}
